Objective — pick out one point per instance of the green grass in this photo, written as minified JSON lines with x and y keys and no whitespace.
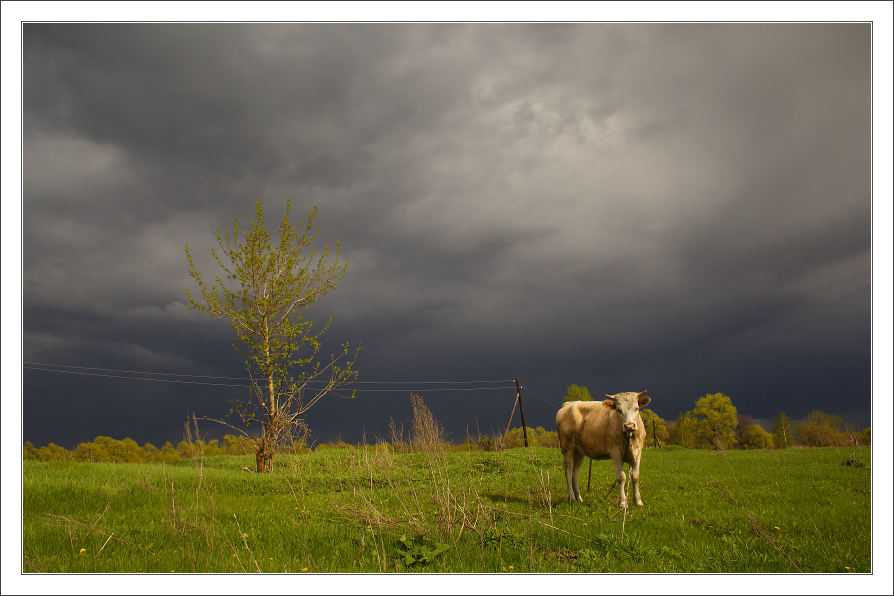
{"x":373,"y":511}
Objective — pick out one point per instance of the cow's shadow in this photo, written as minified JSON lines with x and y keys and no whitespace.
{"x":498,"y":498}
{"x":536,"y":503}
{"x":602,"y":492}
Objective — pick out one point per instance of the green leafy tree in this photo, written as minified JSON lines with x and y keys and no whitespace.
{"x":267,"y":287}
{"x":576,"y":393}
{"x":782,"y":432}
{"x":684,"y":430}
{"x":743,"y":430}
{"x":717,"y":420}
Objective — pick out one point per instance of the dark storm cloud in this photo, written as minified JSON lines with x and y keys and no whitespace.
{"x":679,"y":208}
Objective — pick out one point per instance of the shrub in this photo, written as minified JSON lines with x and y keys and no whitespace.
{"x":537,"y":437}
{"x":336,"y":444}
{"x":486,"y":443}
{"x":820,"y":429}
{"x":864,"y":437}
{"x":29,"y":451}
{"x":168,"y":453}
{"x":53,"y":452}
{"x":759,"y":438}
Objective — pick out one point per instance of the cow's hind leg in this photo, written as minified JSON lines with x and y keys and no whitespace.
{"x":578,"y":458}
{"x":568,"y":453}
{"x":621,"y":479}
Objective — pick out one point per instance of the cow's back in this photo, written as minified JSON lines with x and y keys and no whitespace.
{"x":593,"y":429}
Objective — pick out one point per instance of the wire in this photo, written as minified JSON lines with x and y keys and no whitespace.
{"x":75,"y":372}
{"x":143,"y":372}
{"x":94,"y":374}
{"x":542,"y":397}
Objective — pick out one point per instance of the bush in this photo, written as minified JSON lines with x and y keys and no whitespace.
{"x":820,"y":429}
{"x":486,"y":443}
{"x":53,"y":452}
{"x":864,"y":437}
{"x":759,"y":438}
{"x":29,"y":451}
{"x":537,"y":437}
{"x":336,"y":444}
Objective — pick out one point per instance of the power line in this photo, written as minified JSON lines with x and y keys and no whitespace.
{"x":89,"y":374}
{"x":187,"y":382}
{"x":542,"y":397}
{"x":143,"y":372}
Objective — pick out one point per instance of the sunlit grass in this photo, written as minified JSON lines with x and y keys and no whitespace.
{"x":348,"y":511}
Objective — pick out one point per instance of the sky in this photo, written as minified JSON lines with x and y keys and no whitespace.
{"x":683,"y":208}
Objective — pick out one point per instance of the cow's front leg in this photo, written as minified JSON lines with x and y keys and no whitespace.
{"x":634,"y":480}
{"x":621,"y":480}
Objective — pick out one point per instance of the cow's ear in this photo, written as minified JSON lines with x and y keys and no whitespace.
{"x":644,"y":401}
{"x":608,"y":403}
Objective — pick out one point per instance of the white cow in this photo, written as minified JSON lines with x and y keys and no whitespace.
{"x":609,"y":429}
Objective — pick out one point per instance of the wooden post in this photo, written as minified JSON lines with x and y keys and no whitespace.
{"x":522,"y":410}
{"x":589,"y":475}
{"x":503,"y":440}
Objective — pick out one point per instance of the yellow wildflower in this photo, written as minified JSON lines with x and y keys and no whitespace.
{"x":83,"y":550}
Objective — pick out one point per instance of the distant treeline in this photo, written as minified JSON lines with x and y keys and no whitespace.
{"x":107,"y":449}
{"x":818,"y":429}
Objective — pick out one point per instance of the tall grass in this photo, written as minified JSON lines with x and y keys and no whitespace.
{"x":377,"y":511}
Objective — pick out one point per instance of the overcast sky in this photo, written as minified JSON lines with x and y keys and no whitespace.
{"x":679,"y":208}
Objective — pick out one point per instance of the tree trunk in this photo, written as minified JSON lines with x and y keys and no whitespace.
{"x":264,"y":457}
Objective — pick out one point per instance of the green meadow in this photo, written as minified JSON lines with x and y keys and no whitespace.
{"x":370,"y":510}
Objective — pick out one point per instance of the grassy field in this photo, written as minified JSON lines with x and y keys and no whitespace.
{"x":372,"y":511}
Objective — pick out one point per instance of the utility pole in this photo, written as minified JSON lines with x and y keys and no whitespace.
{"x":518,"y":402}
{"x":522,"y":410}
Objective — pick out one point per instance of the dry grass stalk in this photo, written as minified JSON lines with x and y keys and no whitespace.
{"x":245,"y":542}
{"x":428,"y":434}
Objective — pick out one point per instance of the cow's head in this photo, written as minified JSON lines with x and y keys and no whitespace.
{"x":627,"y":405}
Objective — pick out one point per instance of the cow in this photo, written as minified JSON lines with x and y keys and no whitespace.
{"x":609,"y":429}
